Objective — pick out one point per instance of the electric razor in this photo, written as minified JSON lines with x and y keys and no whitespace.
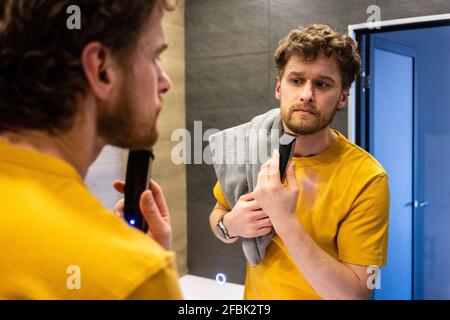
{"x":137,"y":178}
{"x":286,"y":149}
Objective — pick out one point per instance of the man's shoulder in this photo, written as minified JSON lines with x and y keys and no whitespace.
{"x":110,"y":251}
{"x":361,"y":160}
{"x":58,"y":229}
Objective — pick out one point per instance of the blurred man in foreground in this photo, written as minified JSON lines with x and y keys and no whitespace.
{"x":64,"y":95}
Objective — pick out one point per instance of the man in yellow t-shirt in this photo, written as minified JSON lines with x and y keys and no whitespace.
{"x":330,"y":215}
{"x":64,"y":95}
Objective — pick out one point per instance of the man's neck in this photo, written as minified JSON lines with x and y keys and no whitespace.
{"x":311,"y":145}
{"x":79,"y":146}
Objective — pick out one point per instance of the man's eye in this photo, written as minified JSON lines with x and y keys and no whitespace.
{"x":322,"y":85}
{"x":296,"y":81}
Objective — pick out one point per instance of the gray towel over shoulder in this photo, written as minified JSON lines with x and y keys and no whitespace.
{"x":238,"y":154}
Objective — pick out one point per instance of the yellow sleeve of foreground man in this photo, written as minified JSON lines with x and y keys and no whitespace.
{"x":162,"y":286}
{"x":51,"y":225}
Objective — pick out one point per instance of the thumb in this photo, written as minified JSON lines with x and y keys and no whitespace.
{"x":290,"y":176}
{"x":247,"y":197}
{"x":150,"y":210}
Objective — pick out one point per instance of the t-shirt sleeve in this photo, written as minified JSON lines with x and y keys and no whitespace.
{"x":363,"y":234}
{"x":220,"y":197}
{"x":163,"y":285}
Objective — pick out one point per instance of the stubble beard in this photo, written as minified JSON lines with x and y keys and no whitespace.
{"x":299,"y":125}
{"x":123,"y":127}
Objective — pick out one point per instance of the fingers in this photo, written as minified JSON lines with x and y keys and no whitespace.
{"x":119,"y":185}
{"x":154,"y":210}
{"x":150,"y":210}
{"x":252,"y":205}
{"x":263,"y":231}
{"x":290,"y":176}
{"x":264,"y":173}
{"x":270,"y":170}
{"x":159,"y":198}
{"x":263,"y":223}
{"x":275,"y":166}
{"x":119,"y":208}
{"x":247,"y":197}
{"x":259,"y":214}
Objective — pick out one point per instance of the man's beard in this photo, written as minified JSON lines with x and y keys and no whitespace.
{"x":123,"y":127}
{"x":316,"y":121}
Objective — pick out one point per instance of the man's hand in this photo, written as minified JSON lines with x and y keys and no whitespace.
{"x":247,"y":219}
{"x":277,"y":200}
{"x":154,"y":209}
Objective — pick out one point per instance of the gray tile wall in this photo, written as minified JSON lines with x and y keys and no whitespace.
{"x":230,"y":79}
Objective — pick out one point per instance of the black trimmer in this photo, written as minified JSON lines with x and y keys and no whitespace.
{"x":286,"y":148}
{"x":136,"y":182}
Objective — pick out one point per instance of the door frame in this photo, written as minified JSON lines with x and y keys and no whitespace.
{"x":355,"y":31}
{"x":357,"y":106}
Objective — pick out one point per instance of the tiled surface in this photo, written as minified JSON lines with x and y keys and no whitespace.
{"x":222,"y":118}
{"x":208,"y":255}
{"x":209,"y":264}
{"x":202,"y":180}
{"x":224,"y":28}
{"x":288,"y":14}
{"x":199,"y":288}
{"x":227,"y":82}
{"x":411,"y":8}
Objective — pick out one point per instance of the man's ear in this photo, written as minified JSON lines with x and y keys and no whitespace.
{"x":99,"y":68}
{"x":343,"y":99}
{"x":277,"y":88}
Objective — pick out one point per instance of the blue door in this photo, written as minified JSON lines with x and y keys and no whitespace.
{"x":403,"y":119}
{"x":391,"y":141}
{"x":432,"y":212}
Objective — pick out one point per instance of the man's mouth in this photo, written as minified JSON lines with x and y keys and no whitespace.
{"x":304,"y":111}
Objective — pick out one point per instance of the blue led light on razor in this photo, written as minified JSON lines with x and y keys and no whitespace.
{"x":221,"y":278}
{"x":132,"y":222}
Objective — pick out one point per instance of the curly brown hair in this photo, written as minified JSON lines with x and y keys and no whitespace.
{"x":308,"y":43}
{"x":40,"y":58}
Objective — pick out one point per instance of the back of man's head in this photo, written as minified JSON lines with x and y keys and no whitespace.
{"x":40,"y":55}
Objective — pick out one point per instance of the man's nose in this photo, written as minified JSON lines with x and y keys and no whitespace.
{"x":307,"y":93}
{"x":164,"y":83}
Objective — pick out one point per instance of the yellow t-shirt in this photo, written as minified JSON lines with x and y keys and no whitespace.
{"x":58,"y":242}
{"x":343,"y":205}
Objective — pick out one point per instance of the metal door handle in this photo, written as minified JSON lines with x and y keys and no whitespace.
{"x":423,"y":204}
{"x":418,"y":204}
